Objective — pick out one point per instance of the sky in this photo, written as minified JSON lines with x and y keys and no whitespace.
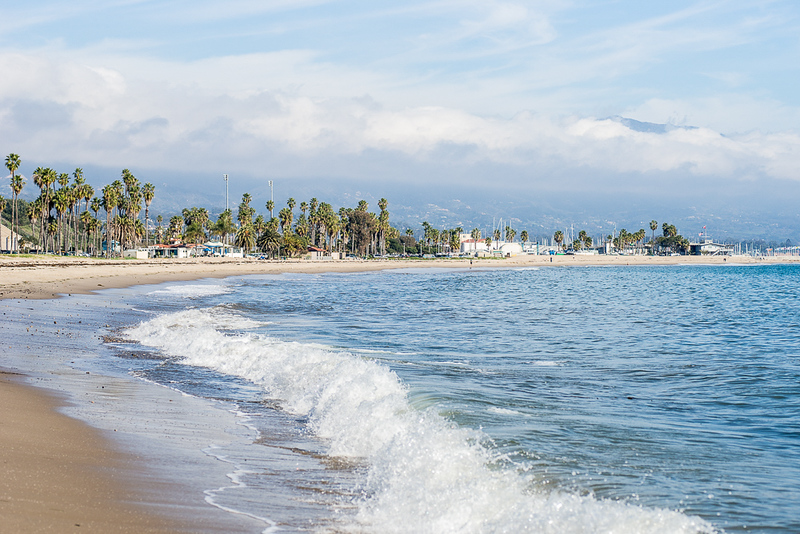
{"x":525,"y":98}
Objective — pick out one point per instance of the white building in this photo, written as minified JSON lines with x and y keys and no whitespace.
{"x":7,"y":239}
{"x":708,"y":247}
{"x":510,"y":249}
{"x":470,"y":246}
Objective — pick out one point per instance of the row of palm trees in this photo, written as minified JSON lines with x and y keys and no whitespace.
{"x":63,"y":214}
{"x":13,"y":162}
{"x":353,"y":230}
{"x":62,"y":209}
{"x":624,"y":239}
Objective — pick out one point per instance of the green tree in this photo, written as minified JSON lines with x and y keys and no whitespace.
{"x":148,"y":193}
{"x":476,"y":236}
{"x":110,"y":201}
{"x":383,"y":224}
{"x":313,"y":219}
{"x":246,"y":237}
{"x":523,"y":236}
{"x":196,"y":220}
{"x":582,"y":236}
{"x":3,"y":203}
{"x":175,"y":228}
{"x":558,"y":237}
{"x":455,"y":240}
{"x":269,"y":241}
{"x":653,"y":227}
{"x":13,"y":161}
{"x":246,"y":212}
{"x":224,"y":226}
{"x":362,"y":226}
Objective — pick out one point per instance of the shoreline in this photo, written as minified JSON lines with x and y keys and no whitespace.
{"x":60,"y":474}
{"x":111,"y":495}
{"x":50,"y":277}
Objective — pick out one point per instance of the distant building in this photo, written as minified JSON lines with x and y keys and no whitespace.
{"x":470,"y":245}
{"x":709,"y":248}
{"x":510,"y":249}
{"x":7,"y":239}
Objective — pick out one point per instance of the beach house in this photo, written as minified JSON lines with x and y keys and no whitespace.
{"x":709,"y":248}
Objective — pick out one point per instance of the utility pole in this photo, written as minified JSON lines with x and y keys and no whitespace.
{"x":225,"y":176}
{"x":271,"y":198}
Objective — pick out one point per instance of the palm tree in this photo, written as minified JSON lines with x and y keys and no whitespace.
{"x":44,"y":178}
{"x":312,"y":218}
{"x":76,"y":197}
{"x":175,"y":228}
{"x":558,"y":237}
{"x":52,"y":229}
{"x":3,"y":202}
{"x":148,"y":192}
{"x":455,"y":239}
{"x":224,"y":225}
{"x":96,"y":204}
{"x":582,"y":237}
{"x":653,"y":227}
{"x":110,"y":201}
{"x":270,"y":207}
{"x":523,"y":236}
{"x":61,"y":202}
{"x":476,"y":236}
{"x":246,"y":237}
{"x":383,"y":223}
{"x":269,"y":241}
{"x":159,"y":220}
{"x":86,"y":218}
{"x":285,"y":216}
{"x":510,"y":234}
{"x":94,"y":226}
{"x":13,"y":162}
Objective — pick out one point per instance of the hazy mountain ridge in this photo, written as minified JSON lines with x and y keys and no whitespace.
{"x":726,"y":215}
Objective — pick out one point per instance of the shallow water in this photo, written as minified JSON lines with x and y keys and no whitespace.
{"x":594,"y":399}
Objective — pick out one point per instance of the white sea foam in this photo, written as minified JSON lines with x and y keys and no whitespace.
{"x":425,"y":474}
{"x":504,"y":411}
{"x":192,"y":290}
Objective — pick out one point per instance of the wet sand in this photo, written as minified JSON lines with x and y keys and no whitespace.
{"x":61,"y":475}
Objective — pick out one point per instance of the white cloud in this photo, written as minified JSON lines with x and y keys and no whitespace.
{"x":93,"y":114}
{"x":728,"y":113}
{"x":496,"y":84}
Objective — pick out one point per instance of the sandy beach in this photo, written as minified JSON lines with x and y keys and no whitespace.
{"x":60,"y":474}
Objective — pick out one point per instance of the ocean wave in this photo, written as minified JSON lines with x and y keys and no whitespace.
{"x":425,"y":474}
{"x":193,"y":290}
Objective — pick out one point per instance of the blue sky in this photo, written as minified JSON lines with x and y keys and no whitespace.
{"x":448,"y":92}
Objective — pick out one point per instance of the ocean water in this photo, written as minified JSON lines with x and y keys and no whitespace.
{"x":554,"y":400}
